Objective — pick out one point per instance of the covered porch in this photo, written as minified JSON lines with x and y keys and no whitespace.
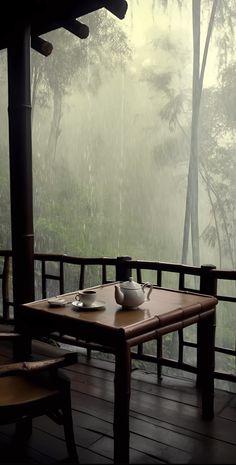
{"x":165,"y":421}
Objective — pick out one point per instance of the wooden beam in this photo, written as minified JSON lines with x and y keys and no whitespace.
{"x":117,"y":8}
{"x":42,"y":46}
{"x":77,"y":28}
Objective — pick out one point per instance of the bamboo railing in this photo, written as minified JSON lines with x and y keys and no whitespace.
{"x":57,"y":274}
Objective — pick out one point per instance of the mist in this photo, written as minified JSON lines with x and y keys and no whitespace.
{"x":112,"y":135}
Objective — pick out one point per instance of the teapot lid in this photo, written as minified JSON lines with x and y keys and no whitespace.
{"x":131,"y":284}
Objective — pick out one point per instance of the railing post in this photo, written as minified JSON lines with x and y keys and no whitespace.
{"x":208,"y":286}
{"x":123,"y":271}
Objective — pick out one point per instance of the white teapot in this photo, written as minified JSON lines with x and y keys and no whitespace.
{"x":131,"y":294}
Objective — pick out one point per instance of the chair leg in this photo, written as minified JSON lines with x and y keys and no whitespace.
{"x":68,"y":428}
{"x":24,"y":429}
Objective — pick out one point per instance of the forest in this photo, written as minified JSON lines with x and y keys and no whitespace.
{"x":134,"y":136}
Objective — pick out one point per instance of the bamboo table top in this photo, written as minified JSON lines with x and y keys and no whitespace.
{"x":166,"y":307}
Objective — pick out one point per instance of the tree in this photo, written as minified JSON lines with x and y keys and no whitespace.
{"x":72,"y":63}
{"x":52,"y":78}
{"x":218,"y":163}
{"x":191,"y":209}
{"x":221,"y":17}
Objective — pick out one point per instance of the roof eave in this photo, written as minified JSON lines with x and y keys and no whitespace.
{"x":47,"y":16}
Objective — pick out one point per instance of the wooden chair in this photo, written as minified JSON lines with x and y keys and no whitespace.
{"x":33,"y":388}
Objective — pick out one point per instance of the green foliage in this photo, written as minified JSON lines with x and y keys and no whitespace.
{"x":72,"y":63}
{"x":227,"y":95}
{"x":218,"y":147}
{"x":209,"y":235}
{"x":107,"y":44}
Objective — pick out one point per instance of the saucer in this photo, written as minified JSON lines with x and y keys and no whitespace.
{"x":56,"y":302}
{"x":80,"y":306}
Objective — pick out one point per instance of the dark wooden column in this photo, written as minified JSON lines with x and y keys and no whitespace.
{"x":123,"y":271}
{"x":20,"y":146}
{"x":206,"y":335}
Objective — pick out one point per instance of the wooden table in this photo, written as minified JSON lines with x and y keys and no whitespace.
{"x":167,"y":311}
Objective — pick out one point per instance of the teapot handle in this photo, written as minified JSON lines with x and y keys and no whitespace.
{"x":150,"y":289}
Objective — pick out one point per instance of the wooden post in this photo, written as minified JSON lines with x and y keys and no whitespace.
{"x":20,"y":145}
{"x":206,"y":334}
{"x":123,"y":272}
{"x":207,"y":281}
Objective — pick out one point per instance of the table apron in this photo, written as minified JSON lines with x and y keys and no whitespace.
{"x":169,"y":328}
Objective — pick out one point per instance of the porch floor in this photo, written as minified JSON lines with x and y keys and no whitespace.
{"x":165,"y":422}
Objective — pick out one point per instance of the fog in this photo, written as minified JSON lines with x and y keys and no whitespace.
{"x":133,"y":146}
{"x":112,"y":139}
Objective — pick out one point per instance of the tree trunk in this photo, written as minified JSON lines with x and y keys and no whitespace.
{"x":191,"y":209}
{"x":55,"y":127}
{"x":36,"y":78}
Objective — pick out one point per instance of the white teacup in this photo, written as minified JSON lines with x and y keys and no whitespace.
{"x":87,"y":297}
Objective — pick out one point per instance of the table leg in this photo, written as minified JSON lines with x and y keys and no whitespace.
{"x":122,"y":387}
{"x":206,"y":364}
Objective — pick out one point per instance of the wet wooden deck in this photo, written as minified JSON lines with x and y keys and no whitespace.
{"x":165,"y":422}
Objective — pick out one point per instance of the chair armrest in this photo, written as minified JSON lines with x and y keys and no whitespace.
{"x":5,"y":336}
{"x":18,"y":368}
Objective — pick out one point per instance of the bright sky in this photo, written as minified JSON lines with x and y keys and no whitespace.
{"x":142,"y":25}
{"x":141,"y":19}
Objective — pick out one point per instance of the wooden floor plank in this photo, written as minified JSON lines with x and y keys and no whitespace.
{"x":136,"y":456}
{"x":222,"y":431}
{"x":177,"y":389}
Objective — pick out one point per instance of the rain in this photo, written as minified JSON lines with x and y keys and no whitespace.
{"x":114,"y":138}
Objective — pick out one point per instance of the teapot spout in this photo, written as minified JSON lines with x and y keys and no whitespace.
{"x":119,"y":296}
